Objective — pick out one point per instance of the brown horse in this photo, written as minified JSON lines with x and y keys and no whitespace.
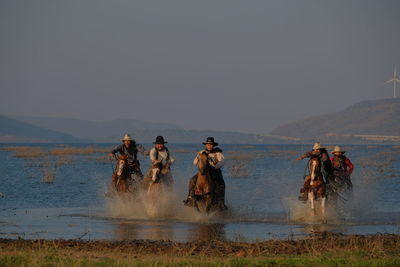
{"x":156,"y":183}
{"x":157,"y":177}
{"x":120,"y":176}
{"x":204,"y":196}
{"x":314,"y":186}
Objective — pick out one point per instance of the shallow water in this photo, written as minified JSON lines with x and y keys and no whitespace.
{"x":261,"y":195}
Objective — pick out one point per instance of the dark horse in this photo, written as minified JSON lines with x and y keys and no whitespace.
{"x":204,"y":194}
{"x":315,"y":188}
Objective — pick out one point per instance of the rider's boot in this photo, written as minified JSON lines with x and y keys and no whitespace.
{"x":303,"y":195}
{"x":190,"y":198}
{"x":221,"y":195}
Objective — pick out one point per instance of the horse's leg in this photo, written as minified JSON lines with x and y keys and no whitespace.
{"x":124,"y":187}
{"x":155,"y":172}
{"x":311,"y":199}
{"x":208,"y":202}
{"x":323,"y":211}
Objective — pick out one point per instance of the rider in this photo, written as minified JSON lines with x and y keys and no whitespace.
{"x":130,"y":148}
{"x":160,"y":159}
{"x":320,"y":152}
{"x":216,"y":160}
{"x":342,"y":166}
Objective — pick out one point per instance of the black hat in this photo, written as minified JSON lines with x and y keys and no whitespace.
{"x":210,"y":140}
{"x":159,"y":140}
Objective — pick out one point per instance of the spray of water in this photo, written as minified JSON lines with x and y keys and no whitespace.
{"x":166,"y":204}
{"x":351,"y":207}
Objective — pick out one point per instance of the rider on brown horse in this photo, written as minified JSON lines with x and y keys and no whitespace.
{"x":320,"y":152}
{"x":130,"y":149}
{"x":216,"y":161}
{"x":161,"y":160}
{"x":342,"y":166}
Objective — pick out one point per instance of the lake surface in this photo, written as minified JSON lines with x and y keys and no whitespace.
{"x":262,"y":184}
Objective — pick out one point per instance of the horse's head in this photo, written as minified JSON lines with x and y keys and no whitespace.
{"x":122,"y":157}
{"x":202,"y":163}
{"x":315,"y":168}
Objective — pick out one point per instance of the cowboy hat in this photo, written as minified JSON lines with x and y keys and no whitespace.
{"x":159,"y":140}
{"x":210,"y":140}
{"x":127,"y":137}
{"x":337,"y":149}
{"x":317,"y":145}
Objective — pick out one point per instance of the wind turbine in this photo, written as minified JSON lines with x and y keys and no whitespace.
{"x":394,"y":80}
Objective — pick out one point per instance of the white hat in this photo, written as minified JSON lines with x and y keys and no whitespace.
{"x":127,"y":137}
{"x":338,"y":149}
{"x":317,"y":145}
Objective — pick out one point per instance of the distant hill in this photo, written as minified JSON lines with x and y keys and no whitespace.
{"x":373,"y":117}
{"x":12,"y":130}
{"x":142,"y":131}
{"x":94,"y":130}
{"x":197,"y":136}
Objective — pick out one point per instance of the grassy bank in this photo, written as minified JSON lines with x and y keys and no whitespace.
{"x":26,"y":259}
{"x":330,"y":250}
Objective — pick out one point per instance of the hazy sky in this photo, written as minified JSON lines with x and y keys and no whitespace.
{"x":226,"y":65}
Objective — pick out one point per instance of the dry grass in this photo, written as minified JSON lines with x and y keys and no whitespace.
{"x":373,"y":246}
{"x":181,"y":150}
{"x":49,"y":176}
{"x":240,"y":163}
{"x":25,"y":151}
{"x":284,"y":153}
{"x":48,"y":161}
{"x":67,"y":150}
{"x":380,"y":164}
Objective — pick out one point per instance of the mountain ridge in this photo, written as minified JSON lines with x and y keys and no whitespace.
{"x":369,"y":117}
{"x":14,"y":130}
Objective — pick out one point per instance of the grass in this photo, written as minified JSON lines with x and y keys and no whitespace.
{"x":25,"y":151}
{"x":239,"y":164}
{"x":326,"y":250}
{"x":33,"y":152}
{"x":49,"y":161}
{"x":27,"y":259}
{"x":67,"y":150}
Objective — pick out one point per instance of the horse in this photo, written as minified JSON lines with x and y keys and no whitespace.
{"x":315,"y":187}
{"x":204,"y":194}
{"x":341,"y":182}
{"x":121,"y":179}
{"x":156,"y":180}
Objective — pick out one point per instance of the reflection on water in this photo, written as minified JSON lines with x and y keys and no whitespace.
{"x":156,"y":230}
{"x":207,"y":232}
{"x":126,"y":231}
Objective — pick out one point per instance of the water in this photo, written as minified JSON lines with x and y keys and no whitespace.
{"x":261,"y":195}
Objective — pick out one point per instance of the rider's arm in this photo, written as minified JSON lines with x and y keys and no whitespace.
{"x":349,"y":165}
{"x":220,"y":159}
{"x":306,"y":155}
{"x":152,"y":155}
{"x":195,"y":161}
{"x":141,"y":149}
{"x":171,"y":160}
{"x":117,"y":149}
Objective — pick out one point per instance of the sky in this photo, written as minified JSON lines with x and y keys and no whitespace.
{"x":245,"y":66}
